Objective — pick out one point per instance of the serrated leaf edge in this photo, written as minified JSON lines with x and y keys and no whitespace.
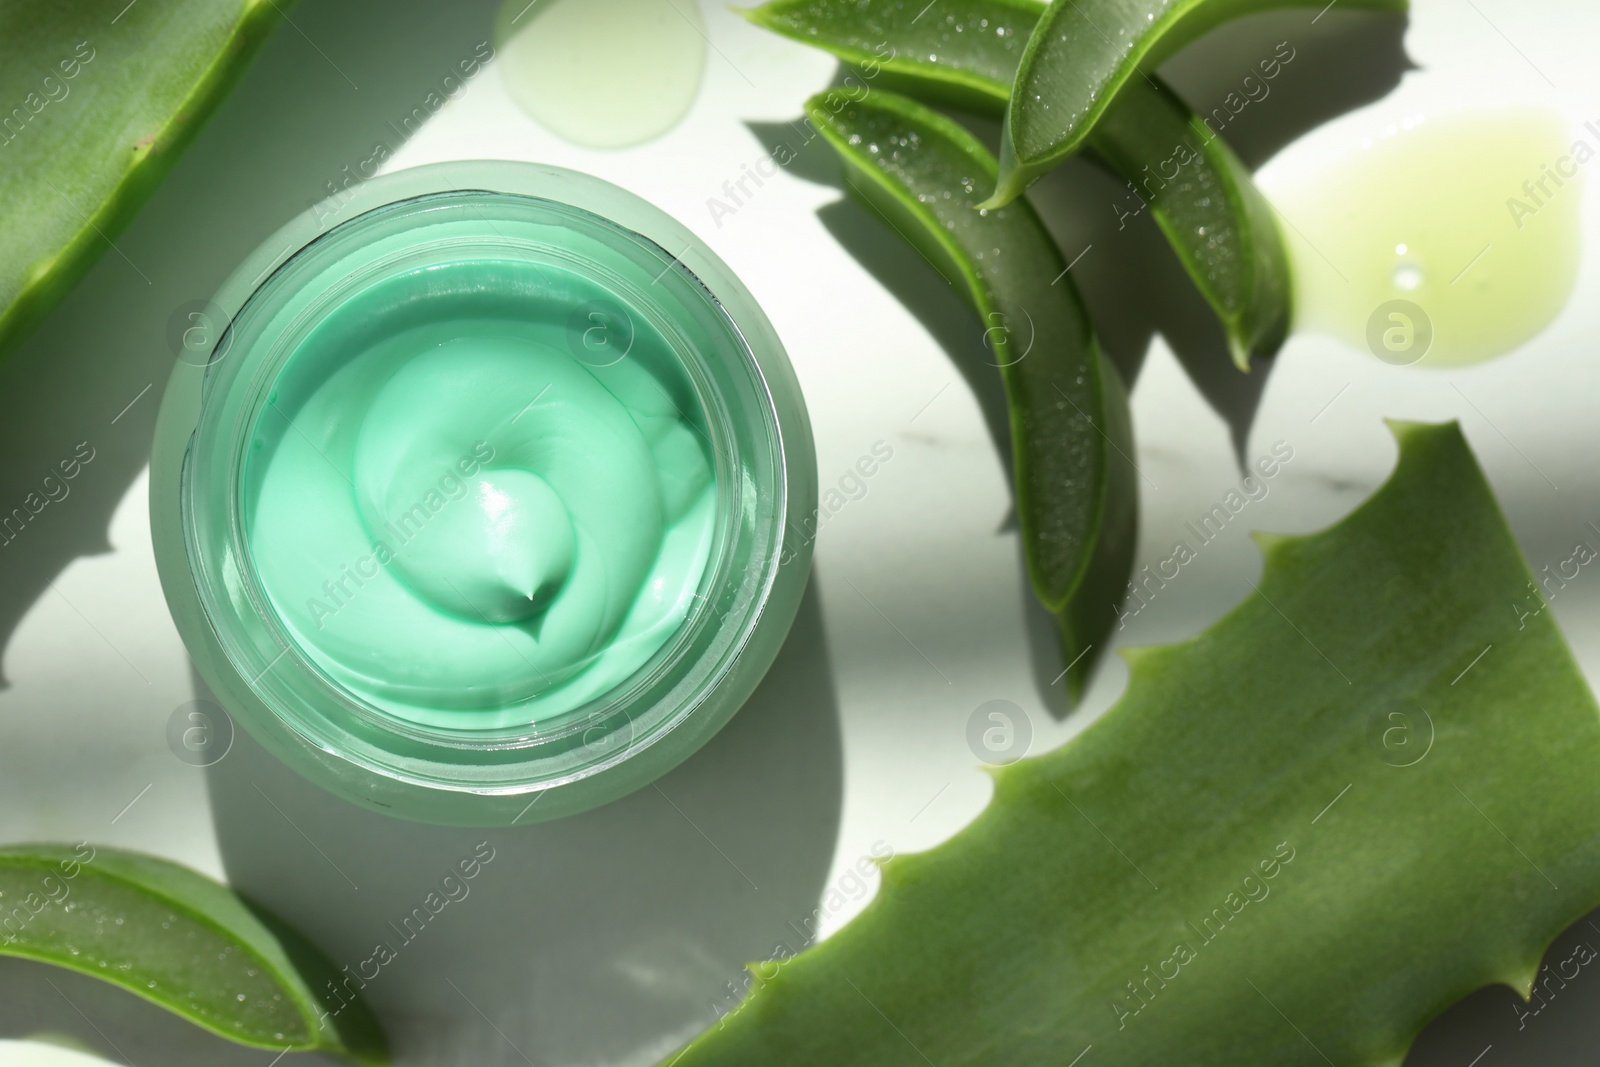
{"x":898,"y":868}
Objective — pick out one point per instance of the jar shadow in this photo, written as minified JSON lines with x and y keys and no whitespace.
{"x":610,"y":936}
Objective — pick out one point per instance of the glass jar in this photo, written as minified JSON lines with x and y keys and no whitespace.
{"x":567,"y":260}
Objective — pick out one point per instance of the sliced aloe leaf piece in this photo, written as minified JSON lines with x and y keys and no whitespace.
{"x":1217,"y":221}
{"x":1070,"y":433}
{"x":184,"y":942}
{"x":1083,"y":55}
{"x":1365,"y":792}
{"x":101,"y":104}
{"x":965,"y":52}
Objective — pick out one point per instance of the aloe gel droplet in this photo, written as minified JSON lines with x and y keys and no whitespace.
{"x":1445,"y":241}
{"x":602,"y":73}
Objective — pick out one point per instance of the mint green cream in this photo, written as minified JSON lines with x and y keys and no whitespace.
{"x":481,"y":493}
{"x":488,"y":517}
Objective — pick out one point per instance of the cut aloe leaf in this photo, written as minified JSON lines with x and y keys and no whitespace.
{"x":1070,"y":433}
{"x":184,"y":942}
{"x":1367,"y":791}
{"x":965,"y":52}
{"x":1084,"y":54}
{"x":1217,"y":221}
{"x":101,"y":103}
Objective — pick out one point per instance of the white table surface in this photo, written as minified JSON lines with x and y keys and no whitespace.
{"x":603,"y":939}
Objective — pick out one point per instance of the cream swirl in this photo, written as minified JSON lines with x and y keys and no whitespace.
{"x":465,"y":516}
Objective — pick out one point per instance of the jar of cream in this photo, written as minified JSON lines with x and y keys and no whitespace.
{"x":480,"y":493}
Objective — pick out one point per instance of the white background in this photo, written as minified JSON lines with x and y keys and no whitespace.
{"x":603,"y":939}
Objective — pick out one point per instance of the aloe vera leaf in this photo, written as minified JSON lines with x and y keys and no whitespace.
{"x":1071,"y":438}
{"x":965,"y":52}
{"x":1366,"y":791}
{"x":95,"y":107}
{"x":1083,"y":55}
{"x":184,"y":942}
